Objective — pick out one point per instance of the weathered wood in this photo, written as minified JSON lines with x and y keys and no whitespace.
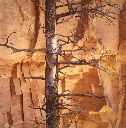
{"x":51,"y":89}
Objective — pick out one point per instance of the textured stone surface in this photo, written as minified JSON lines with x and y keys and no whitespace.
{"x":5,"y":95}
{"x":19,"y":93}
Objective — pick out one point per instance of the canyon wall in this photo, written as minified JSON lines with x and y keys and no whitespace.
{"x":22,"y":73}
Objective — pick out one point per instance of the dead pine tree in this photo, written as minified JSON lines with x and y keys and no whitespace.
{"x":52,"y":19}
{"x":51,"y":78}
{"x":52,"y":52}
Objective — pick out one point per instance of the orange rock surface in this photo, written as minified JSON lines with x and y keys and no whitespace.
{"x":20,"y":93}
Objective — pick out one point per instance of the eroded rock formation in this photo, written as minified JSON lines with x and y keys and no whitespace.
{"x":20,"y":91}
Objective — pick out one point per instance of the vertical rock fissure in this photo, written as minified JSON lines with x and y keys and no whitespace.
{"x":82,"y":24}
{"x":37,"y":24}
{"x":9,"y":116}
{"x":20,"y":10}
{"x":21,"y":103}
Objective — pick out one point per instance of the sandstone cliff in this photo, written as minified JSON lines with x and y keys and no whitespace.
{"x":21,"y":73}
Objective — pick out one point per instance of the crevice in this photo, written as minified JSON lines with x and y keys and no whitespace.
{"x":14,"y":71}
{"x":12,"y":88}
{"x":22,"y":79}
{"x":9,"y":117}
{"x":20,"y":10}
{"x":22,"y":110}
{"x":82,"y":25}
{"x":37,"y":25}
{"x":31,"y":97}
{"x":14,"y":75}
{"x":120,"y":111}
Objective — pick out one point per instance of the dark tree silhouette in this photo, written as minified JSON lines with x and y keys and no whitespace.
{"x":51,"y":78}
{"x":54,"y":49}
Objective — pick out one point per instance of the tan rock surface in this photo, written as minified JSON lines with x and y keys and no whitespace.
{"x":18,"y":95}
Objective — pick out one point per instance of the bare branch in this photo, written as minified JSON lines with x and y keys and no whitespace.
{"x":23,"y":50}
{"x":35,"y":77}
{"x":81,"y":62}
{"x":90,"y":95}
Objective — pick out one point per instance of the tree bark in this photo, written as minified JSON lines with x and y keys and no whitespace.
{"x":51,"y":77}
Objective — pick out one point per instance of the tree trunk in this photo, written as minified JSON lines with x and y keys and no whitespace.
{"x":51,"y":78}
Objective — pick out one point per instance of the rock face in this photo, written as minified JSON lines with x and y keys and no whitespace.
{"x":22,"y":73}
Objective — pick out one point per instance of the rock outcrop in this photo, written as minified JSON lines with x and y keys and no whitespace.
{"x":22,"y":73}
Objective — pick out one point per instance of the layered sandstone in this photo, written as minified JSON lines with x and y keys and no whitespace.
{"x":20,"y":92}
